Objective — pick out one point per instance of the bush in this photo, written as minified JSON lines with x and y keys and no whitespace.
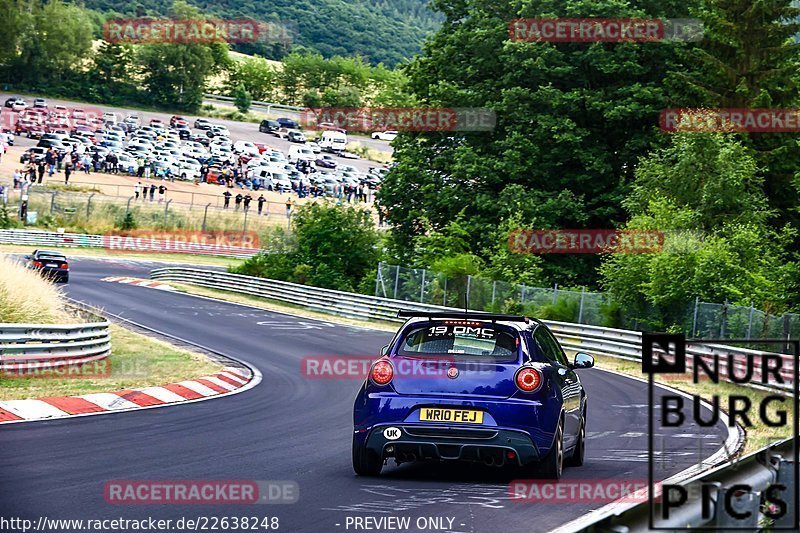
{"x":243,"y":101}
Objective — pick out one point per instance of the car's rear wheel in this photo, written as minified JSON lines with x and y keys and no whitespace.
{"x":580,"y":448}
{"x":365,"y":462}
{"x":553,"y":464}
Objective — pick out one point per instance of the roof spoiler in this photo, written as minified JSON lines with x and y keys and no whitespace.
{"x":464,"y":315}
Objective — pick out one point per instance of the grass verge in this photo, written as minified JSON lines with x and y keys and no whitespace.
{"x":26,"y":297}
{"x":135,"y":361}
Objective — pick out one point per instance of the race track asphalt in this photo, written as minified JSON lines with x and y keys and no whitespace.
{"x":292,"y":428}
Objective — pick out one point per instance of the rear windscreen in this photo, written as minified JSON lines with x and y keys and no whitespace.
{"x":54,"y":258}
{"x":468,"y":340}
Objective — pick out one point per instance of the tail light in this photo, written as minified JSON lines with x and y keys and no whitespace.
{"x":38,"y":264}
{"x":63,"y":265}
{"x":528,"y":379}
{"x":382,"y":372}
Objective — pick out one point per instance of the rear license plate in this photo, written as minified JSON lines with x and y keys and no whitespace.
{"x":51,"y":265}
{"x":451,"y":415}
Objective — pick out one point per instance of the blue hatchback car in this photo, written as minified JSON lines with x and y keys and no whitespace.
{"x":492,"y":389}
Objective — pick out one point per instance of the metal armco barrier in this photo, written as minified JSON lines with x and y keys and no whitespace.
{"x":757,"y":471}
{"x":38,"y":346}
{"x":81,"y":240}
{"x":617,"y":343}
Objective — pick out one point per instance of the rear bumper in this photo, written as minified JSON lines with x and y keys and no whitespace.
{"x":492,"y":446}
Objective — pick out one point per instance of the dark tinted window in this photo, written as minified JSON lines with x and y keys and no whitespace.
{"x":468,"y":340}
{"x":549,"y":346}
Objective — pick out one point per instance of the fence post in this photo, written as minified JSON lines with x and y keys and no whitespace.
{"x":750,"y":320}
{"x":694,"y":320}
{"x":422,"y":287}
{"x":89,"y":205}
{"x":396,"y":280}
{"x":494,"y":290}
{"x":166,"y":211}
{"x":128,"y":206}
{"x":205,"y":215}
{"x":580,"y":309}
{"x":444,"y":298}
{"x":724,"y":319}
{"x":555,"y":293}
{"x":378,"y":277}
{"x":469,"y":282}
{"x":244,"y":224}
{"x":522,"y":294}
{"x":53,"y":201}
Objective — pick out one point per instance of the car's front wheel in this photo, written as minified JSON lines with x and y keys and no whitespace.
{"x":552,"y":466}
{"x":365,"y":462}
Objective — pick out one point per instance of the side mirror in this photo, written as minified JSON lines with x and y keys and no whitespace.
{"x":384,"y":350}
{"x":583,"y":360}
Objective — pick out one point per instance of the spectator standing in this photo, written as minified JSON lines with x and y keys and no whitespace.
{"x":289,"y":208}
{"x":238,"y":201}
{"x":137,"y":189}
{"x":50,"y":160}
{"x":247,"y":200}
{"x":152,"y":191}
{"x":148,"y":168}
{"x":67,"y":170}
{"x":41,"y":168}
{"x":161,"y":191}
{"x":227,"y":195}
{"x":261,"y":201}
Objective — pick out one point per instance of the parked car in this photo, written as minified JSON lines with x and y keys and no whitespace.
{"x":268,"y":126}
{"x":472,"y":387}
{"x":326,"y":161}
{"x":19,"y":105}
{"x":176,"y":119}
{"x":37,"y":153}
{"x":384,"y":135}
{"x":40,"y":103}
{"x":53,"y":265}
{"x":288,"y":123}
{"x":10,"y":101}
{"x":202,"y":124}
{"x":296,"y":137}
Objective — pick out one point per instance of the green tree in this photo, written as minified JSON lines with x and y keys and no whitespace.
{"x":257,"y":76}
{"x":749,"y":58}
{"x":572,"y":120}
{"x":243,"y":100}
{"x":175,"y":74}
{"x":704,"y":192}
{"x":48,"y":53}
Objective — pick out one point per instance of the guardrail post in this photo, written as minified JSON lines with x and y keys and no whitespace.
{"x":396,"y":280}
{"x":580,"y":308}
{"x":166,"y":211}
{"x":786,"y":478}
{"x":205,"y":214}
{"x":89,"y":205}
{"x":422,"y":287}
